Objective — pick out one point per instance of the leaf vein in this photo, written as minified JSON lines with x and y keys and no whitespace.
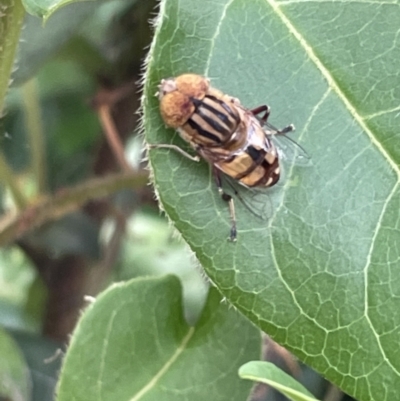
{"x":332,"y":84}
{"x":366,"y":269}
{"x":167,"y":365}
{"x":217,"y":31}
{"x":382,"y":112}
{"x":103,"y":355}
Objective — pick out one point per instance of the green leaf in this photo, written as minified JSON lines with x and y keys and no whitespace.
{"x":321,"y":276}
{"x":45,"y":8}
{"x":268,"y":373}
{"x":38,"y":43}
{"x":133,"y":343}
{"x":14,"y":377}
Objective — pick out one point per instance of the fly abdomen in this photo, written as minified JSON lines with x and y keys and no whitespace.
{"x":257,"y":155}
{"x":265,"y":175}
{"x":253,"y":167}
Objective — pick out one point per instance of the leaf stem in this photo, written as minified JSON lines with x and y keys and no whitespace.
{"x":7,"y":176}
{"x":11,"y":17}
{"x":34,"y":127}
{"x":66,"y":201}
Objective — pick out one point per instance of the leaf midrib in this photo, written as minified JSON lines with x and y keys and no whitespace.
{"x":332,"y":84}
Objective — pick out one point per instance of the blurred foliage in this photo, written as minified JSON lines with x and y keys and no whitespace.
{"x":65,"y":231}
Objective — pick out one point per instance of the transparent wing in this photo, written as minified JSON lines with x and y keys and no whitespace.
{"x":290,"y":151}
{"x":256,"y":200}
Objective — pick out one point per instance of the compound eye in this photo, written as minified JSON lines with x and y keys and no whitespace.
{"x":192,"y":85}
{"x":176,"y":108}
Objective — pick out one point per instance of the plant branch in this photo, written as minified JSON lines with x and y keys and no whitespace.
{"x":11,"y":17}
{"x":34,"y":127}
{"x":66,"y":201}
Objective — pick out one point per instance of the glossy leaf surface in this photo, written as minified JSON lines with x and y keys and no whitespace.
{"x":133,"y":344}
{"x":321,"y":276}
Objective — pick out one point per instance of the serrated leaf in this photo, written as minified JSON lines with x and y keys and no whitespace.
{"x":321,"y":276}
{"x":268,"y":373}
{"x":133,"y":343}
{"x":14,"y":377}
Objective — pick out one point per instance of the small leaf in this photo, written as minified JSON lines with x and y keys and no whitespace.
{"x":268,"y":373}
{"x":133,"y":342}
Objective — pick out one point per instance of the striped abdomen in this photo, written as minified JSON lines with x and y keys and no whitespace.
{"x":256,"y":166}
{"x":232,"y":139}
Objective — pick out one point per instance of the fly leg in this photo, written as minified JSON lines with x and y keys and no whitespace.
{"x":262,"y":109}
{"x":285,"y":130}
{"x":176,"y":148}
{"x":263,"y":120}
{"x":227,"y":198}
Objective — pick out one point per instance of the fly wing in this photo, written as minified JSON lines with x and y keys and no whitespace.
{"x":290,"y":151}
{"x":255,"y":200}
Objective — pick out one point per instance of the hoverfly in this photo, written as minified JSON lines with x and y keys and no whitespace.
{"x":231,"y":138}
